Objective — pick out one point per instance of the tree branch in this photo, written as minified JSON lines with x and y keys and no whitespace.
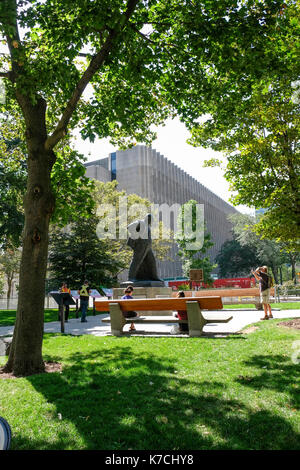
{"x":13,"y":40}
{"x":5,"y":75}
{"x":144,"y":36}
{"x":91,"y":70}
{"x":165,"y":45}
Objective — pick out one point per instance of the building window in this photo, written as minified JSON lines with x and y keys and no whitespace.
{"x":113,"y":165}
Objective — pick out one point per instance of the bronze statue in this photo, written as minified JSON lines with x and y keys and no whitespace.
{"x":142,"y":270}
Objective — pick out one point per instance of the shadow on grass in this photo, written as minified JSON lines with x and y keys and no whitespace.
{"x":135,"y":400}
{"x":279,"y":373}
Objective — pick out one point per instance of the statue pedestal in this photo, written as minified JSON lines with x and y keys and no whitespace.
{"x":135,"y":284}
{"x":146,"y":293}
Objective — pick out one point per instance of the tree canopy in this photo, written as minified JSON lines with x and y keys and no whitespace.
{"x":268,"y":252}
{"x":138,"y":61}
{"x":77,"y":254}
{"x":72,"y":189}
{"x":12,"y":185}
{"x":145,"y":50}
{"x":259,"y":132}
{"x":193,"y":241}
{"x":235,"y":260}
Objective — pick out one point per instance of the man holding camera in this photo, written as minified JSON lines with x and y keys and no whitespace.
{"x":262,"y":276}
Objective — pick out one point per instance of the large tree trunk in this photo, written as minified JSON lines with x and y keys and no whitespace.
{"x":26,"y":352}
{"x":280,"y":273}
{"x":9,"y":279}
{"x":275,"y":273}
{"x":293,"y":257}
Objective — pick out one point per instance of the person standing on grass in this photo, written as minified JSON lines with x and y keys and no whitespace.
{"x":130,"y":314}
{"x":262,"y":276}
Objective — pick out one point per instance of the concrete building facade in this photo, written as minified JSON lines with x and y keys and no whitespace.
{"x":145,"y":172}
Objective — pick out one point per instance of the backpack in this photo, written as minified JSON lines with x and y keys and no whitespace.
{"x":270,"y":281}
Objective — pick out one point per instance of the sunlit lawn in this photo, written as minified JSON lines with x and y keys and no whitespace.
{"x":8,"y":317}
{"x":168,"y":393}
{"x":279,"y":305}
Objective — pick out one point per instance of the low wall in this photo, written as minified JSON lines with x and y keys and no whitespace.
{"x":249,"y":295}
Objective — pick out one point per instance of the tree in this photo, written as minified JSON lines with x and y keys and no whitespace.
{"x":268,"y":252}
{"x":1,"y":284}
{"x":292,"y":257}
{"x":138,"y":78}
{"x":195,"y":259}
{"x":259,"y":133}
{"x":72,"y":189}
{"x":235,"y":260}
{"x":12,"y":185}
{"x":77,"y":254}
{"x":191,"y":248}
{"x":9,"y":266}
{"x":12,"y":218}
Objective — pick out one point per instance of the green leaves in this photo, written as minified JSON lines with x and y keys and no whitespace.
{"x":193,"y":243}
{"x":73,"y":191}
{"x":168,"y":57}
{"x":12,"y":183}
{"x":270,"y":252}
{"x":257,"y":126}
{"x":235,"y":260}
{"x":77,"y":254}
{"x":231,"y":60}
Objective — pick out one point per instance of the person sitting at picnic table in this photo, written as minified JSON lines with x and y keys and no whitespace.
{"x":182,"y":315}
{"x":64,"y":288}
{"x":130,"y":314}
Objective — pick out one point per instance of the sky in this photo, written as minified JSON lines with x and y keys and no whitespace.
{"x":171,"y":142}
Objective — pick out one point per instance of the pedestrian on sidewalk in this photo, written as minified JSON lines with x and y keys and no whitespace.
{"x":264,"y":279}
{"x":84,"y":300}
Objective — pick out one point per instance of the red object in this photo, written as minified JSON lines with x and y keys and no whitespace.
{"x":182,"y":315}
{"x":230,"y":282}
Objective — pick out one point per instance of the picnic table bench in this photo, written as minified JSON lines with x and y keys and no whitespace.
{"x":193,"y":306}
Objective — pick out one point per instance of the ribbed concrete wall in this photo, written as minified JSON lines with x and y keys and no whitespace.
{"x":98,"y":172}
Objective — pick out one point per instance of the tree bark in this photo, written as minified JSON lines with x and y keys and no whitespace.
{"x":9,"y":279}
{"x":280,"y":273}
{"x":293,"y":264}
{"x":275,"y":274}
{"x":26,"y":351}
{"x":25,"y":356}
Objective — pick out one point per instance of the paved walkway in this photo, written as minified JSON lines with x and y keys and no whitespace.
{"x":94,"y":325}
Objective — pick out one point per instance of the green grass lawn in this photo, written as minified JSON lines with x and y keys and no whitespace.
{"x":168,"y":393}
{"x":280,"y":305}
{"x":8,"y":317}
